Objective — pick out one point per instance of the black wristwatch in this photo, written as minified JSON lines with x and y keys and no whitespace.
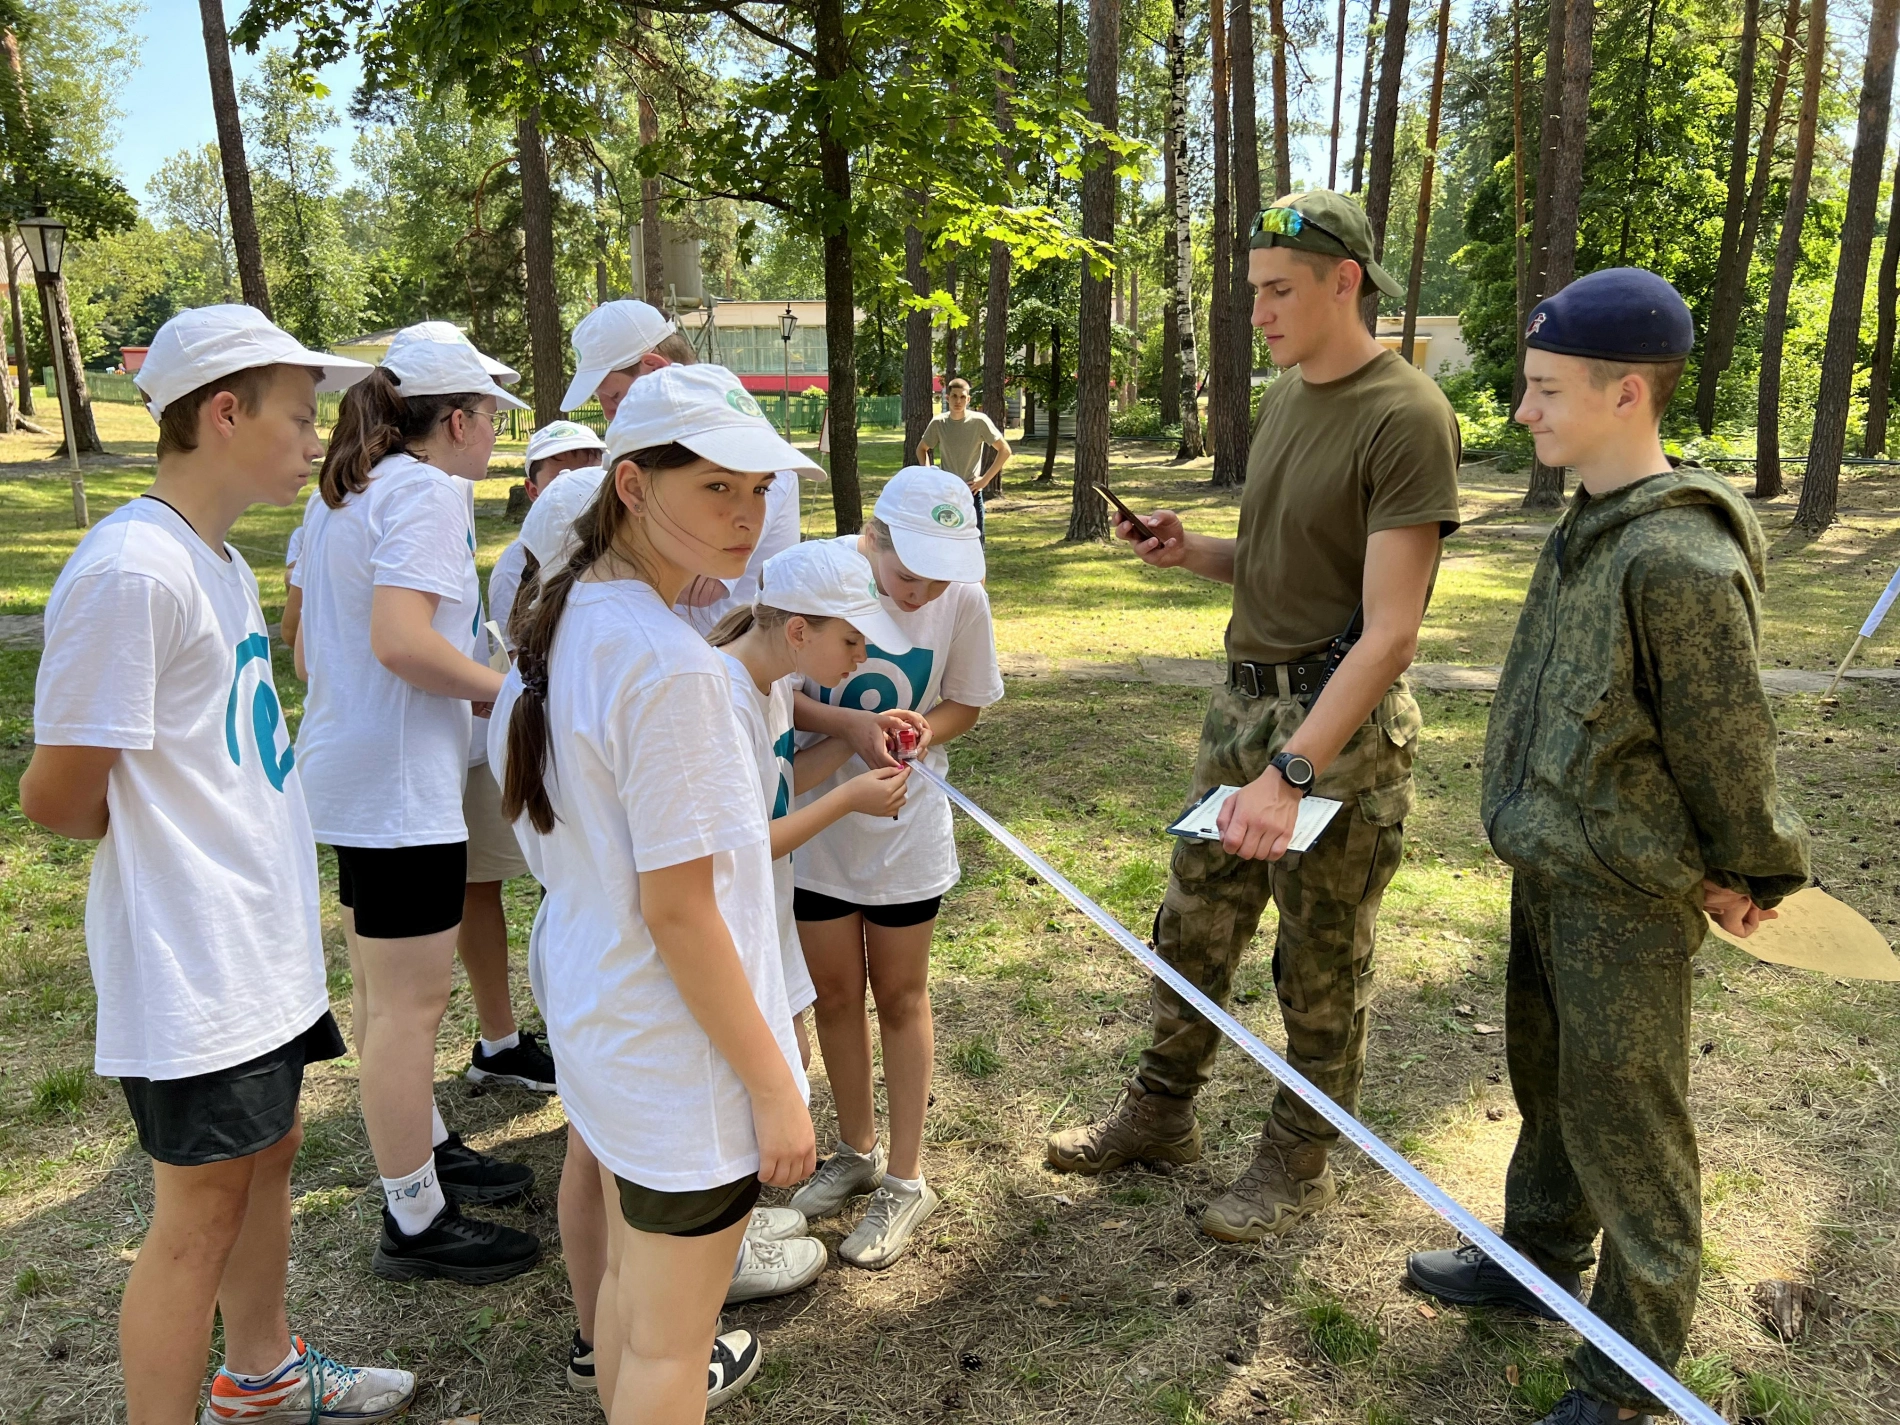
{"x":1296,"y":770}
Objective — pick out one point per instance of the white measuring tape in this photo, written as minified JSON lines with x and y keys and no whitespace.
{"x":1653,"y":1378}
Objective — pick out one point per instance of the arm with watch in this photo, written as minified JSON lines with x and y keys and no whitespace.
{"x":1258,"y":820}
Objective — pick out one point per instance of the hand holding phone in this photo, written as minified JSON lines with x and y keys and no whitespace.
{"x":1128,"y":516}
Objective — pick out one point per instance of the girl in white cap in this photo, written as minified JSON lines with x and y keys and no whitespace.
{"x":868,"y":890}
{"x":392,"y":617}
{"x":505,"y":1053}
{"x":655,"y":955}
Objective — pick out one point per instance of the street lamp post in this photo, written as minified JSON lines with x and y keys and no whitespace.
{"x":45,"y":241}
{"x":787,"y":324}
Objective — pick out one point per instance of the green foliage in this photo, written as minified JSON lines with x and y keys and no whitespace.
{"x":1770,"y":1400}
{"x":1142,"y":421}
{"x":976,"y":1058}
{"x":1337,"y":1333}
{"x":1484,"y":418}
{"x":61,"y":1090}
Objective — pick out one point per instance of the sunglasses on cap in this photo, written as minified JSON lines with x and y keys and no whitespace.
{"x":1290,"y":222}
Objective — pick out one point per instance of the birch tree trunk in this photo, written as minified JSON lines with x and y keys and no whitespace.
{"x":1088,"y":515}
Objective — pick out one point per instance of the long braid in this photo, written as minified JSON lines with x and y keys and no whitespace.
{"x":598,"y":529}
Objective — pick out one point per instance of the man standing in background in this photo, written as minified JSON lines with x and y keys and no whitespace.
{"x":961,"y":436}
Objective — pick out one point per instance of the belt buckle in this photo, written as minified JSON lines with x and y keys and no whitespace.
{"x":1247,"y":680}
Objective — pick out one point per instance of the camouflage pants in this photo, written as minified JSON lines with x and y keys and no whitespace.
{"x":1597,"y":1033}
{"x":1327,"y":897}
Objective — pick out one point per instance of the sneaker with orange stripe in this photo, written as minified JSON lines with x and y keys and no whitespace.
{"x":313,"y":1390}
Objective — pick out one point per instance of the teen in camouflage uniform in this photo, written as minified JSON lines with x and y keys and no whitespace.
{"x":1629,"y":781}
{"x":1351,"y":484}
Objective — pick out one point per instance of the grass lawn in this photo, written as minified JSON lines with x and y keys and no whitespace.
{"x":1032,"y":1297}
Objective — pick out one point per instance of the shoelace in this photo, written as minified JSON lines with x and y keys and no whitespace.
{"x":885,"y":1205}
{"x":319,"y":1367}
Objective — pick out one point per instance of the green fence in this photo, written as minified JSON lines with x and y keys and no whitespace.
{"x":806,"y":413}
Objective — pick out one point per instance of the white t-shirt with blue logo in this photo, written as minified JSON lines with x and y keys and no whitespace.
{"x":869,"y":860}
{"x":201,"y":917}
{"x":384,"y":762}
{"x":766,"y":721}
{"x":646,"y":769}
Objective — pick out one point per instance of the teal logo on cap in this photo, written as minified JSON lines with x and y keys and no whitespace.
{"x":949,"y":516}
{"x":871,"y":588}
{"x":742,"y":402}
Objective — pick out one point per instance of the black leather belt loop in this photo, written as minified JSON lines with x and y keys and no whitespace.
{"x":1301,"y":680}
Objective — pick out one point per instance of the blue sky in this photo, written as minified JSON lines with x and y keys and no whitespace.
{"x":167,"y":100}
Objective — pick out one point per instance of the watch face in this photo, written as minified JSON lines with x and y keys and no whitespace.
{"x":1299,"y":772}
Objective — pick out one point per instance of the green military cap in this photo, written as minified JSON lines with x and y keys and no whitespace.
{"x":1321,"y":220}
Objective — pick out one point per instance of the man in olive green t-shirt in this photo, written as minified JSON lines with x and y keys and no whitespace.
{"x":1351,"y":486}
{"x":962,"y":438}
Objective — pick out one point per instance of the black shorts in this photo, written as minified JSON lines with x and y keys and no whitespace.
{"x":815,"y":905}
{"x":688,"y":1214}
{"x":229,"y":1113}
{"x":402,"y":891}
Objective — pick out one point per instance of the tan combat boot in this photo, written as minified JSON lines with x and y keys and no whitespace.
{"x":1287,"y":1182}
{"x":1143,"y":1127}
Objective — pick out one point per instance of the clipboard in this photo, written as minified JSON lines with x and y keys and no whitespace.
{"x":1816,"y":932}
{"x":1200,"y":821}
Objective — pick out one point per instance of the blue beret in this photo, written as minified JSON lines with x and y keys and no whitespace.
{"x":1618,"y":314}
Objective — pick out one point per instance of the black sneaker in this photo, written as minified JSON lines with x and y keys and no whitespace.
{"x":1576,"y":1408}
{"x":1465,"y":1276}
{"x":460,"y":1248}
{"x":526,"y":1066}
{"x":580,"y":1365}
{"x":735,"y":1360}
{"x":472,"y":1177}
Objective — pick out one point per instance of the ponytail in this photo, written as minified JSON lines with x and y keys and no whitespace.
{"x":524,"y":597}
{"x":602,"y":528}
{"x":373,"y":419}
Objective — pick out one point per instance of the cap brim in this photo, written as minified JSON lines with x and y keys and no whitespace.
{"x":339,"y":372}
{"x":562,"y":447}
{"x":504,"y":401}
{"x":880,"y":628}
{"x":748,"y":447}
{"x":1382,"y":279}
{"x":581,"y":389}
{"x":931,"y":556}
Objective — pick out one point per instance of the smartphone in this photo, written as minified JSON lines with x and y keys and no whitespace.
{"x":1127,"y":514}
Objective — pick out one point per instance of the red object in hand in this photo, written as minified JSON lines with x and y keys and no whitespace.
{"x":905,"y":740}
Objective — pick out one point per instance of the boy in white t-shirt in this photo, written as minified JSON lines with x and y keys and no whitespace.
{"x":868,"y":890}
{"x":505,"y":1053}
{"x":159,"y":733}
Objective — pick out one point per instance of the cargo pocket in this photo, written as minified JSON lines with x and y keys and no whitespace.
{"x":1389,"y":803}
{"x":1560,"y":750}
{"x":1399,"y":717}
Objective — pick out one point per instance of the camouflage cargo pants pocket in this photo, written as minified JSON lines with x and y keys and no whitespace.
{"x":1327,"y":898}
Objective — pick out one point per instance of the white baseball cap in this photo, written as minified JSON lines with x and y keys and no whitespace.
{"x":503,"y":373}
{"x":559,"y":437}
{"x":202,"y":344}
{"x":612,"y":336}
{"x":932,"y":519}
{"x":429,"y":366}
{"x":548,"y":531}
{"x":706,"y":409}
{"x":823,"y":577}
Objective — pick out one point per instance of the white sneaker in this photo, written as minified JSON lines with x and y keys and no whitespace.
{"x":735,"y":1360}
{"x":775,"y":1268}
{"x":776,"y":1224}
{"x":311,"y":1390}
{"x":886,"y":1228}
{"x":846,"y":1174}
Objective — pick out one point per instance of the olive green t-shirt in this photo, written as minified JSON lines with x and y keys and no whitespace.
{"x":1330,"y":464}
{"x":959,"y":445}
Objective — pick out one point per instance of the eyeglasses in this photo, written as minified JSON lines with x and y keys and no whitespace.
{"x":1289,"y":222}
{"x":497,"y":419}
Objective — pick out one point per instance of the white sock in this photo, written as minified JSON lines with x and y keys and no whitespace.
{"x":414,"y":1200}
{"x":254,"y":1381}
{"x":492,"y":1047}
{"x":844,"y":1147}
{"x":909,"y":1187}
{"x":439,"y":1128}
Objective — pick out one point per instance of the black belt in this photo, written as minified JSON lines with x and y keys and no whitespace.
{"x":1301,"y":680}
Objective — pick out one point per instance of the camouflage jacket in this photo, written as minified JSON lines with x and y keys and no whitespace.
{"x":1631,"y":745}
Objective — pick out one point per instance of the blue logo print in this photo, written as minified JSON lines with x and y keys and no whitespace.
{"x":784,"y":749}
{"x":266,"y":714}
{"x":475,"y":631}
{"x":885,"y":681}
